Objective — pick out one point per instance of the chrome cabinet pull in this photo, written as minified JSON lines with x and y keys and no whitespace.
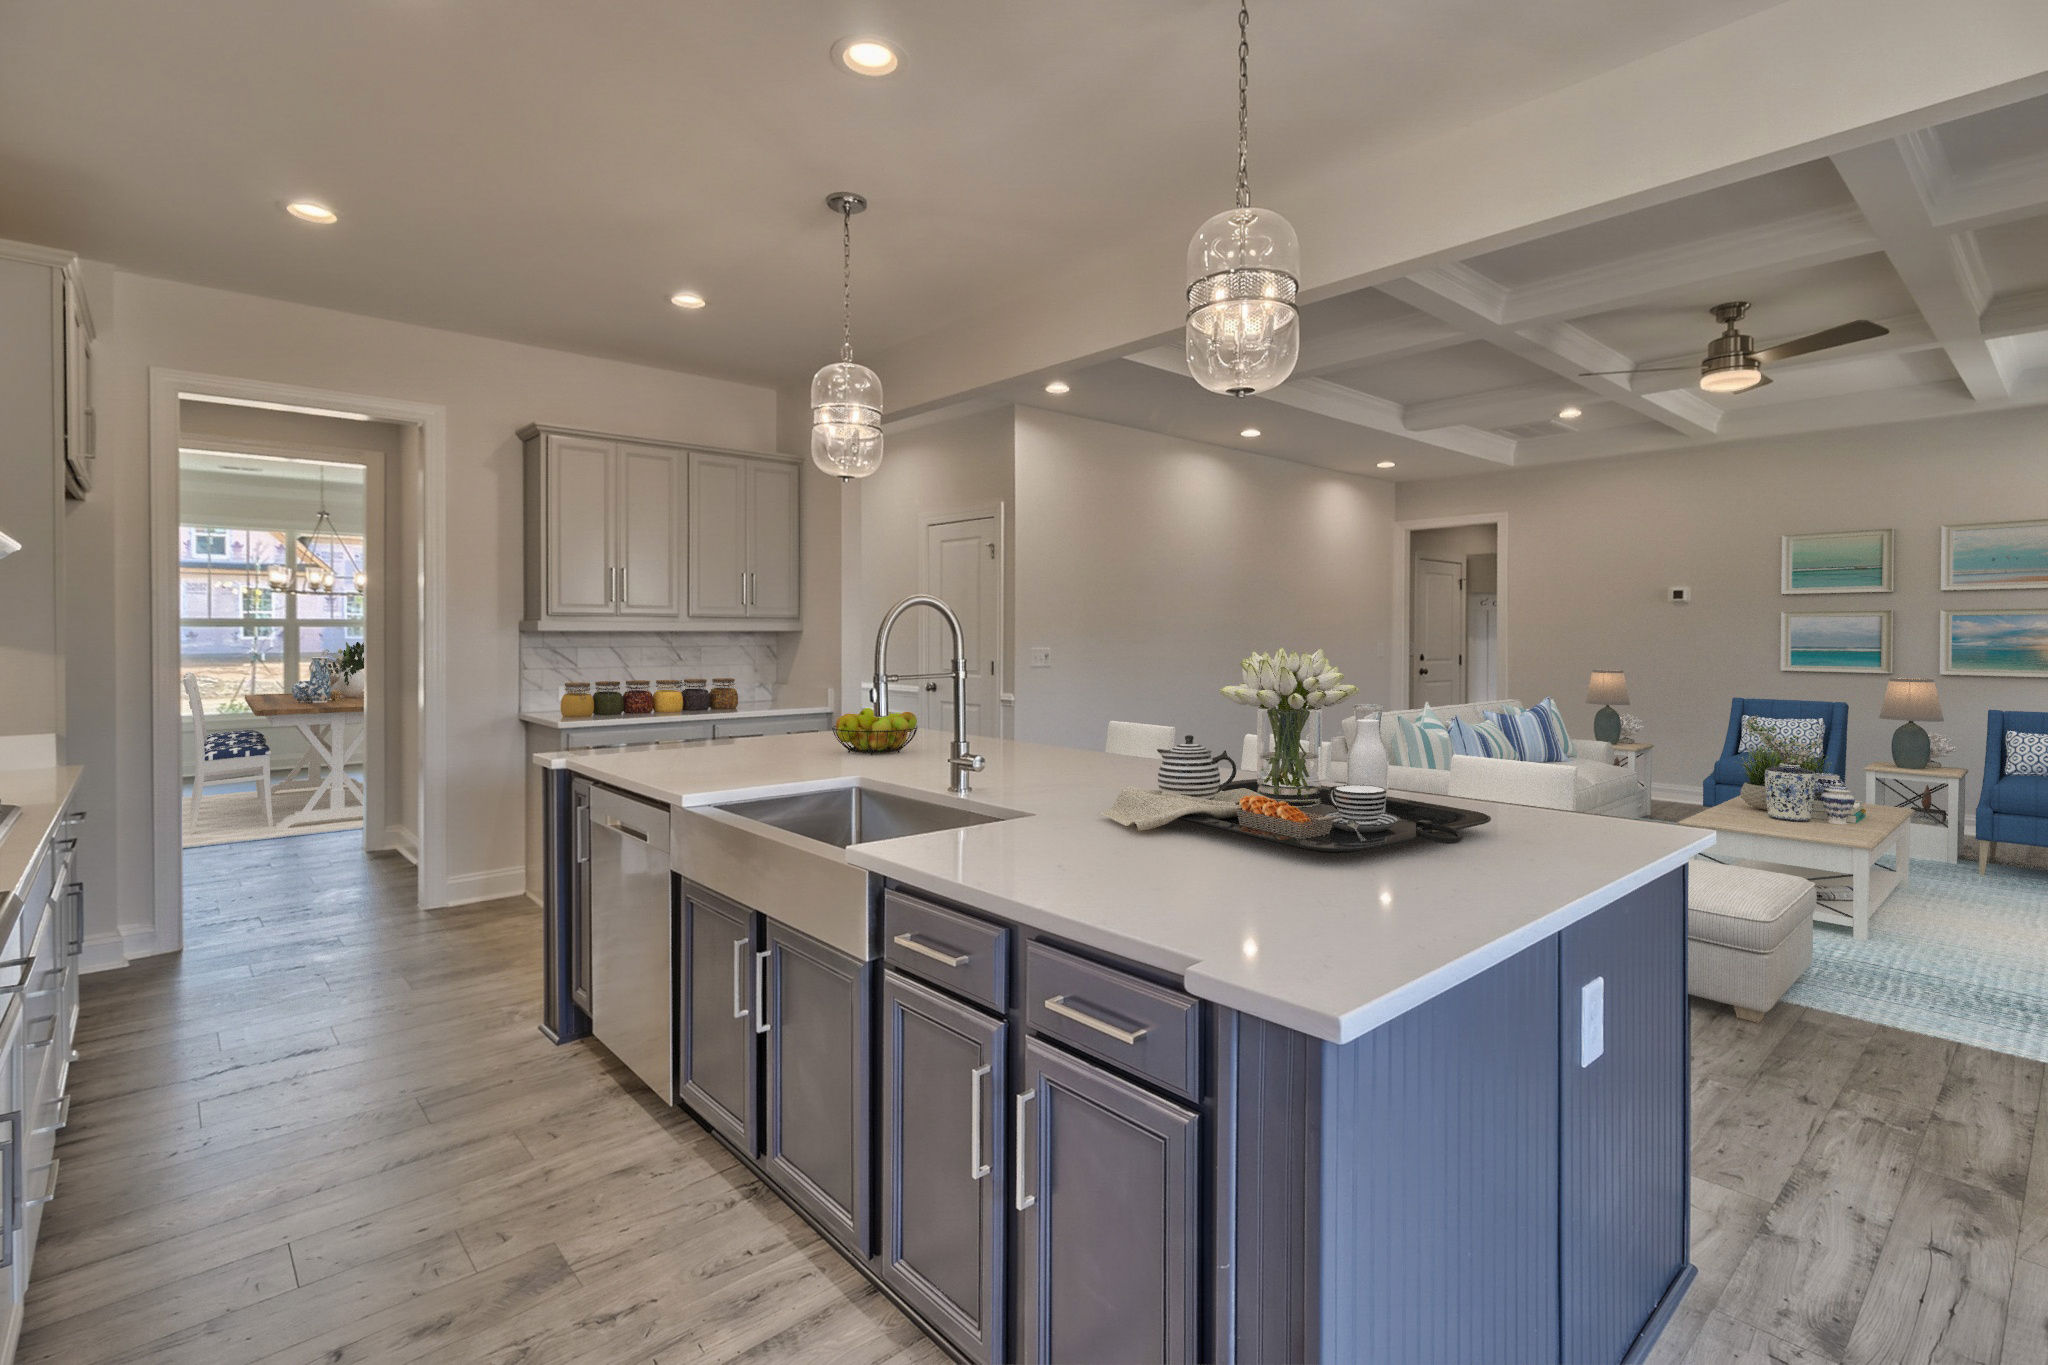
{"x":739,"y":978}
{"x":63,"y":1117}
{"x":623,"y":598}
{"x":21,"y":977}
{"x":1023,"y":1201}
{"x":49,"y":1190}
{"x":77,"y":893}
{"x":51,"y":1020}
{"x":626,"y":830}
{"x":761,"y":992}
{"x":1058,"y":1005}
{"x":977,"y":1168}
{"x":10,"y":1211}
{"x":912,"y":942}
{"x":582,"y":820}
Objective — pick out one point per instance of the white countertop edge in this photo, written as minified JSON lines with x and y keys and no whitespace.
{"x":557,"y":722}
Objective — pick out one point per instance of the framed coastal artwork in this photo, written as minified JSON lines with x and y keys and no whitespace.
{"x":1995,"y":644}
{"x":1836,"y":561}
{"x":1998,"y":554}
{"x":1835,"y":641}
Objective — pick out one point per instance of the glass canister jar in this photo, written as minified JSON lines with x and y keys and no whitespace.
{"x":668,"y":696}
{"x":576,"y":702}
{"x":639,"y":698}
{"x":696,"y":696}
{"x":608,"y":700}
{"x":724,"y":696}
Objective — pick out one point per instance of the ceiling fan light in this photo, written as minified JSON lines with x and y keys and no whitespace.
{"x":1730,"y":379}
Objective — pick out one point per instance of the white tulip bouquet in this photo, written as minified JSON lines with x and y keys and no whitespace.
{"x":1287,"y":686}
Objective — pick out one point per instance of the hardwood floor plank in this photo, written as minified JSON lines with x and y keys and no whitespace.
{"x":1756,"y":1141}
{"x":1724,"y":1223}
{"x":1728,"y":1341}
{"x":1942,"y":1282}
{"x":103,"y":1330}
{"x":2026,"y":1314}
{"x":1899,"y":1076}
{"x":1982,"y":1129}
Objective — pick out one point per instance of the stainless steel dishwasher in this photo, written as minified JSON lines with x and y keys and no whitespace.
{"x":632,"y":1011}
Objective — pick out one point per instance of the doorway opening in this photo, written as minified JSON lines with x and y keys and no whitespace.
{"x":962,"y":562}
{"x":1449,"y":604}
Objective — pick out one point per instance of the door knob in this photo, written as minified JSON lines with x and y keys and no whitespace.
{"x":931,"y":687}
{"x":1423,"y":671}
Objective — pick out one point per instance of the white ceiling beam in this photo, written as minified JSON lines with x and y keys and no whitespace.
{"x":1905,"y":332}
{"x":1464,"y":298}
{"x":1891,"y":182}
{"x":2003,"y":193}
{"x":1495,"y":407}
{"x":2016,"y":313}
{"x":1377,"y":342}
{"x":1810,"y":239}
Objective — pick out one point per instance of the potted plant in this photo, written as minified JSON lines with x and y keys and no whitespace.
{"x":348,"y":666}
{"x":1758,"y":762}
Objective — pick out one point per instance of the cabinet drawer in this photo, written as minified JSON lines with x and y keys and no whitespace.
{"x":741,"y":728}
{"x":1146,"y":1030}
{"x":967,"y":956}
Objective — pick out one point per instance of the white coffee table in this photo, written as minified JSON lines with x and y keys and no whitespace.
{"x":1749,"y":835}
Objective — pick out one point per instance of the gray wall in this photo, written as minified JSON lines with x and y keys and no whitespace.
{"x":1588,"y":550}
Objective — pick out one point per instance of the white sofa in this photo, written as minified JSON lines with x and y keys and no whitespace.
{"x":1590,"y":782}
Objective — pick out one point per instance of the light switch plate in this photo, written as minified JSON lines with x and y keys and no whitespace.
{"x":1592,"y":1020}
{"x":1041,"y":656}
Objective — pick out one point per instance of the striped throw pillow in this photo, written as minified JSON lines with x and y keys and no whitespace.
{"x":1480,"y":739}
{"x":1420,"y":741}
{"x":1536,"y":738}
{"x":1555,"y":737}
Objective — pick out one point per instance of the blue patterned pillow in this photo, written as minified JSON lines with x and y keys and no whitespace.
{"x":1535,"y":736}
{"x":2026,"y":755}
{"x":1556,"y":738}
{"x":1793,"y":736}
{"x":1422,"y":741}
{"x":1480,"y":739}
{"x":237,"y":744}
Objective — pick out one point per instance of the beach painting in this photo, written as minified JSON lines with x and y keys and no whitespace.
{"x":1999,"y":554}
{"x":1837,"y":561}
{"x":1995,"y":644}
{"x":1835,"y":641}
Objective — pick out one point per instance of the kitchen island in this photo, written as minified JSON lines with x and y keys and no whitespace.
{"x":1094,"y":1093}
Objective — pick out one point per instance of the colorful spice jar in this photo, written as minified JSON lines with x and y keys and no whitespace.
{"x":724,"y":696}
{"x":668,"y":696}
{"x":576,"y":702}
{"x":608,"y":700}
{"x":639,"y":698}
{"x":696,"y":697}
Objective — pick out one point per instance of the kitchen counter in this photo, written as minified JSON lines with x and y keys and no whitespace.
{"x":42,"y":794}
{"x":1329,"y":947}
{"x":554,"y":721}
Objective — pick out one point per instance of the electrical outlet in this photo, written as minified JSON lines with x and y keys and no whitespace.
{"x":1681,"y":594}
{"x":1592,"y":1020}
{"x":1041,"y":656}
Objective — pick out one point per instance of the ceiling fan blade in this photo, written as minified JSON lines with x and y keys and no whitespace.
{"x":1821,"y":341}
{"x":1645,"y":369}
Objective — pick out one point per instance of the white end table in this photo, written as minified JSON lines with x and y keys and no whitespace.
{"x":1636,"y":758}
{"x":1933,"y":795}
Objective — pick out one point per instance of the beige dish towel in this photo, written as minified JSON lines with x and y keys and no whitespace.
{"x":1140,"y":809}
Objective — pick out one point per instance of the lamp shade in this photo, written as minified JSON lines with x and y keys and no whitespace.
{"x":1910,"y":699}
{"x":1609,"y":688}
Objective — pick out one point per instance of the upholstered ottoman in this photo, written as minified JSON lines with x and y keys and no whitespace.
{"x":1750,"y":932}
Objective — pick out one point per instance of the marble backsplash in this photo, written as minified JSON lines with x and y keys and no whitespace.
{"x":547,"y":660}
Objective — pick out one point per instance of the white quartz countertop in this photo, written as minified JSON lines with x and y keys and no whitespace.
{"x":41,"y":793}
{"x":1329,"y":946}
{"x":554,"y":721}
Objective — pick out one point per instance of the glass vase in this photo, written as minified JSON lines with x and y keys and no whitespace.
{"x":1290,"y":763}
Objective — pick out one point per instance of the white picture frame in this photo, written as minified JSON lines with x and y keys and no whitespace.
{"x":1999,"y":644}
{"x":1828,"y":562}
{"x":2005,"y":556}
{"x":1834,"y":641}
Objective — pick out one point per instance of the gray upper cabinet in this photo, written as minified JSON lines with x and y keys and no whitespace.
{"x":625,"y":534}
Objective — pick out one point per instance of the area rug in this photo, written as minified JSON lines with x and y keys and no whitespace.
{"x":235,"y":816}
{"x":1951,"y":954}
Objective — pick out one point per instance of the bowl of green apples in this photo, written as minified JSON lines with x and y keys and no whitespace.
{"x":864,"y":732}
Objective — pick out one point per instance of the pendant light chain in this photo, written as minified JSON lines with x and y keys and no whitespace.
{"x":1244,"y":108}
{"x":846,"y":281}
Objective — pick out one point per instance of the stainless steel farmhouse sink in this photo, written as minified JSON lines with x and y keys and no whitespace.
{"x":786,"y":855}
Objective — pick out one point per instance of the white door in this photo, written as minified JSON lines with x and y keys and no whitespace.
{"x":580,"y":501}
{"x":1436,"y":633}
{"x":718,"y":535}
{"x":961,"y":569}
{"x":772,"y":539}
{"x":650,"y":496}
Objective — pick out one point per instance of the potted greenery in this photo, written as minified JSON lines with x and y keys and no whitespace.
{"x":1759,"y":761}
{"x":348,"y":666}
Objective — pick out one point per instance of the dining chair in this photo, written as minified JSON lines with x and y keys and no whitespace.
{"x":1137,"y":739}
{"x":221,"y":755}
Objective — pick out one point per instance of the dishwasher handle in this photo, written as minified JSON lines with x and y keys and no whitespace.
{"x":610,"y":823}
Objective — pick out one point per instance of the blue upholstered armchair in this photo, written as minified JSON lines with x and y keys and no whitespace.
{"x":2010,"y":810}
{"x":1725,"y":782}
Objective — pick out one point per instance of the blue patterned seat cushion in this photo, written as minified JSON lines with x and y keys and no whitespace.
{"x":2026,"y":755}
{"x":237,"y":744}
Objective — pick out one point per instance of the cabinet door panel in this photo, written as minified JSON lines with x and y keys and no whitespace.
{"x":942,"y":1179}
{"x":581,"y":496}
{"x":650,"y":499}
{"x":1108,"y":1246}
{"x":716,"y":1069}
{"x":772,"y":539}
{"x":718,"y":535}
{"x":818,"y":1091}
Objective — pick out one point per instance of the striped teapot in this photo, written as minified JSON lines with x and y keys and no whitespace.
{"x":1191,"y":770}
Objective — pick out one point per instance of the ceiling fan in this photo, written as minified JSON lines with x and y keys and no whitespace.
{"x":1732,"y":365}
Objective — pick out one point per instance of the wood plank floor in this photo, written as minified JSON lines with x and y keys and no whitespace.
{"x":329,"y":1132}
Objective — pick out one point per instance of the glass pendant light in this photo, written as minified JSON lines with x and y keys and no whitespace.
{"x":1244,"y":268}
{"x":846,"y":399}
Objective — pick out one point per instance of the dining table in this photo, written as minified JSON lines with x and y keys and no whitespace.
{"x":334,"y":739}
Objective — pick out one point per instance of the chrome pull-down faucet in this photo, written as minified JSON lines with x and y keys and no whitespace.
{"x":962,"y":760}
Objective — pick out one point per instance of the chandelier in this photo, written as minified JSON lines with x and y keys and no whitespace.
{"x":317,"y":577}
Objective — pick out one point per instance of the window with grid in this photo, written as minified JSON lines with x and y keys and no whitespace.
{"x":236,"y":633}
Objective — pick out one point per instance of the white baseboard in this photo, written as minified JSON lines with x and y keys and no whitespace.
{"x":1687,"y":792}
{"x":104,"y":952}
{"x":496,"y":884}
{"x":402,"y":841}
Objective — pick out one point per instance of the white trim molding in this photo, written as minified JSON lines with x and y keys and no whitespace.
{"x":497,"y":884}
{"x":1404,"y":557}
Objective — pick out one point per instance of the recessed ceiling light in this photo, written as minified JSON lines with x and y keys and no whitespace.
{"x":311,"y":211}
{"x":686,"y":298}
{"x":866,"y":56}
{"x":1386,"y":464}
{"x":1249,"y":433}
{"x":1569,"y":414}
{"x":1057,"y":386}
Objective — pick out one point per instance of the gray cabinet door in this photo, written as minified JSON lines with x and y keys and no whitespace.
{"x":716,"y":1070}
{"x":818,"y":1094}
{"x":649,"y":530}
{"x":772,"y":539}
{"x":580,"y":497}
{"x":579,"y":880}
{"x":942,"y":1162}
{"x":1108,"y":1250}
{"x":718,"y":535}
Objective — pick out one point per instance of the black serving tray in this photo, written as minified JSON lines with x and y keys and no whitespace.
{"x":1412,"y":820}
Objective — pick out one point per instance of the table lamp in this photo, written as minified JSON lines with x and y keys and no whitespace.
{"x":1910,"y":700}
{"x":1607,"y":687}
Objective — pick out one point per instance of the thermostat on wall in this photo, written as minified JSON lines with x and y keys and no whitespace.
{"x":1681,"y":594}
